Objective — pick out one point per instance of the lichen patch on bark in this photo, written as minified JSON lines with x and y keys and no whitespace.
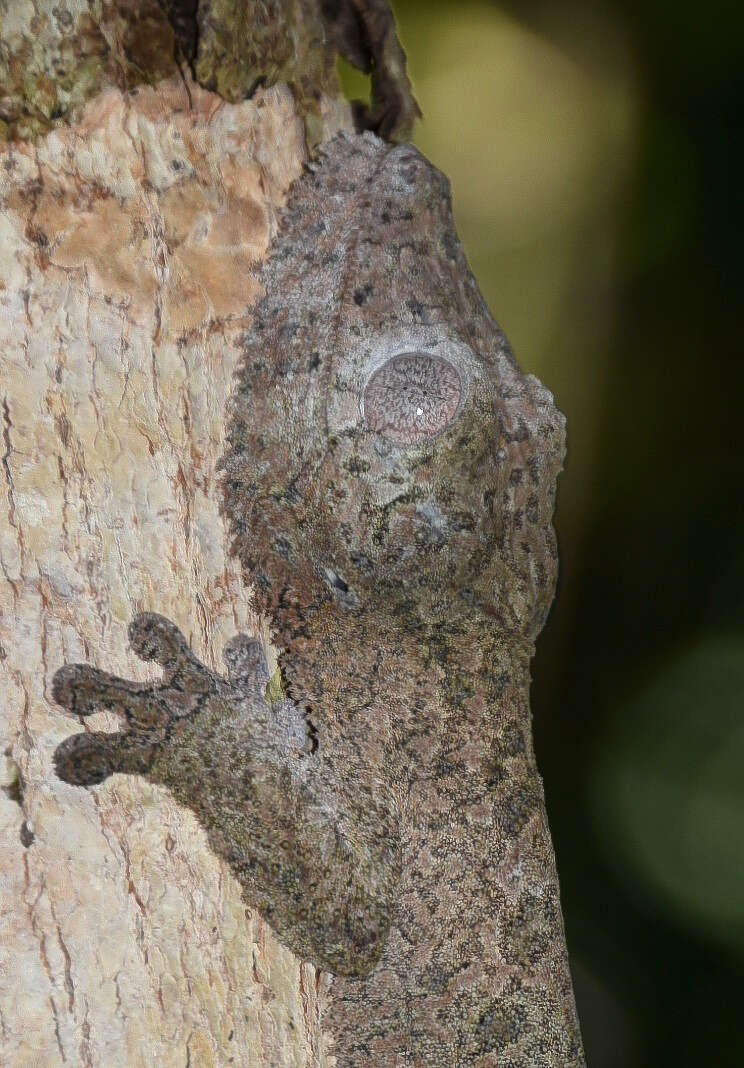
{"x":55,"y":55}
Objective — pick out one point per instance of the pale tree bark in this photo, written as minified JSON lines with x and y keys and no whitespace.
{"x":129,"y":242}
{"x":136,"y":207}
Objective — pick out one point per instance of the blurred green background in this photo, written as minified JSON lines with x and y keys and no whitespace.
{"x":596,"y":153}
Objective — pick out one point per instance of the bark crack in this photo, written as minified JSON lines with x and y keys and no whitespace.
{"x":69,"y":986}
{"x":12,"y":517}
{"x":41,"y":936}
{"x":56,"y":1029}
{"x":86,"y":1056}
{"x":131,"y":888}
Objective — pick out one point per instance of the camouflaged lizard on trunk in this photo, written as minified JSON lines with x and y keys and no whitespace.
{"x":389,"y":483}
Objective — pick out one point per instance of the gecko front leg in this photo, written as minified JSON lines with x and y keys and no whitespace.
{"x":319,"y":864}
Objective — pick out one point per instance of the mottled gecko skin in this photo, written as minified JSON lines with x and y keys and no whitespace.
{"x":389,"y":482}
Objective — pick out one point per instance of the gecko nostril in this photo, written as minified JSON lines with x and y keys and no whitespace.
{"x":336,"y":581}
{"x":343,"y":593}
{"x":413,"y":397}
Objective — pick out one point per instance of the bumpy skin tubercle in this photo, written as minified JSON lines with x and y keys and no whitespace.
{"x":389,"y":482}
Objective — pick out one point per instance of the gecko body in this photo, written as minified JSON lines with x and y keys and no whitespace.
{"x":389,"y":483}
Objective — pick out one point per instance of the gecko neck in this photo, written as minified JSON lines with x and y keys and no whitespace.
{"x":411,"y":680}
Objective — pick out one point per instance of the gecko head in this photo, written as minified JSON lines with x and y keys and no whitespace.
{"x":421,"y":490}
{"x":386,"y":453}
{"x":439,"y":484}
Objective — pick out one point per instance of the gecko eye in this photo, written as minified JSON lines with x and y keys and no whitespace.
{"x":412,"y":398}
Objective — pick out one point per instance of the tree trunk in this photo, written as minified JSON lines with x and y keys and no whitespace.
{"x":137,"y":205}
{"x":129,"y":243}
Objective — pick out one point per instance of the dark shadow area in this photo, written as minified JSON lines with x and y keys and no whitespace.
{"x":596,"y":155}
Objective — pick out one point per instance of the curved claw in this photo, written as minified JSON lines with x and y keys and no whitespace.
{"x":144,"y":709}
{"x":246,"y":662}
{"x":87,"y":759}
{"x":81,"y":760}
{"x":83,"y":690}
{"x":153,"y":637}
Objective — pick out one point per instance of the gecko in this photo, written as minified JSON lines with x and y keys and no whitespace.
{"x":388,"y":482}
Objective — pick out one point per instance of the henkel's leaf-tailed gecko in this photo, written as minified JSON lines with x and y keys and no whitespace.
{"x":389,"y":483}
